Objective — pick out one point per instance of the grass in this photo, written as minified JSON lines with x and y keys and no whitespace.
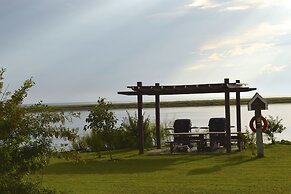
{"x":238,"y":172}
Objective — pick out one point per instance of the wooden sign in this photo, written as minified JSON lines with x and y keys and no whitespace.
{"x":257,"y":103}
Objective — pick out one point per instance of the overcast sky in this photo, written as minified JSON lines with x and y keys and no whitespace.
{"x":78,"y":50}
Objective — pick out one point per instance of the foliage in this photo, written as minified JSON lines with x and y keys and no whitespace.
{"x":129,"y":124}
{"x":274,"y":126}
{"x":164,"y":134}
{"x":93,"y":141}
{"x":102,"y":123}
{"x":285,"y":142}
{"x":23,"y":187}
{"x":26,"y":139}
{"x":249,"y":140}
{"x":126,"y":136}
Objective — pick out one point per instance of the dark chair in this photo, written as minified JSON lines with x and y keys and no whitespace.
{"x":217,"y":125}
{"x":182,"y":126}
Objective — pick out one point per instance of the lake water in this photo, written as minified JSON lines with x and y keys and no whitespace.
{"x":200,"y":116}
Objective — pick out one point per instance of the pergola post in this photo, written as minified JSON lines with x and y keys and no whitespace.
{"x":140,"y":118}
{"x":227,"y":116}
{"x":238,"y":119}
{"x":158,"y":129}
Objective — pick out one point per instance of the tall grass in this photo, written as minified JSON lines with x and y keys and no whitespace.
{"x":126,"y":136}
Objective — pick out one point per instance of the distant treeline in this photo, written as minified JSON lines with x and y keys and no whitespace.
{"x":190,"y":103}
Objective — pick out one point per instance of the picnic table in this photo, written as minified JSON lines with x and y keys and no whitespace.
{"x":201,"y":139}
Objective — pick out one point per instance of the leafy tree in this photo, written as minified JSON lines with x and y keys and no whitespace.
{"x":102,"y":123}
{"x":26,"y":139}
{"x":274,"y":126}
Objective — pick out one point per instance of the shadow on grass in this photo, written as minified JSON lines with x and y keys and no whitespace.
{"x":109,"y":167}
{"x":144,"y":164}
{"x":232,"y":161}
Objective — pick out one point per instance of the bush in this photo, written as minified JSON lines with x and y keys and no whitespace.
{"x":249,"y":140}
{"x":26,"y":139}
{"x":164,"y":134}
{"x":129,"y":124}
{"x":274,"y":126}
{"x":124,"y":137}
{"x":23,"y":187}
{"x":284,"y":142}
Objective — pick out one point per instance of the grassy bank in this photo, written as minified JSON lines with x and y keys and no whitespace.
{"x":192,"y":103}
{"x":237,"y":172}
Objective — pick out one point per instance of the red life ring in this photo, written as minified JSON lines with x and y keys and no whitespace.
{"x":265,"y":123}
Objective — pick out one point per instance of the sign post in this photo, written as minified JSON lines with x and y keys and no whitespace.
{"x":258,"y":103}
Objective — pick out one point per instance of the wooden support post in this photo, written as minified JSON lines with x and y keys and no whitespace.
{"x":158,"y":129}
{"x":259,"y":134}
{"x":227,"y":116}
{"x":238,"y":119}
{"x":140,"y":118}
{"x":258,"y":103}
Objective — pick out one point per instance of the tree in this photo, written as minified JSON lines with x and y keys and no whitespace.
{"x":274,"y":126}
{"x":102,"y":122}
{"x":26,"y":139}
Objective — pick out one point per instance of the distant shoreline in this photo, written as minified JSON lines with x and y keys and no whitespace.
{"x":188,"y":103}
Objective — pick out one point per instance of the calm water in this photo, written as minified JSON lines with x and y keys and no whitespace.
{"x":200,"y":116}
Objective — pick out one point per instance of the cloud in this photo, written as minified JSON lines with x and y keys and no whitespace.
{"x":237,"y":8}
{"x":269,"y":68}
{"x":261,"y":38}
{"x":236,"y":5}
{"x":204,"y":4}
{"x":238,"y":50}
{"x":261,"y":35}
{"x":256,"y":41}
{"x":215,"y":57}
{"x":197,"y":66}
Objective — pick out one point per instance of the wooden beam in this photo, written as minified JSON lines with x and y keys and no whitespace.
{"x":227,"y":117}
{"x":140,"y":119}
{"x":188,"y":89}
{"x":158,"y":129}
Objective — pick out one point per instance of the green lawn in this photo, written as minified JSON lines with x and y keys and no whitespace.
{"x":237,"y":172}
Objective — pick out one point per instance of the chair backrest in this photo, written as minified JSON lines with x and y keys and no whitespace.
{"x":216,"y":124}
{"x":182,"y":125}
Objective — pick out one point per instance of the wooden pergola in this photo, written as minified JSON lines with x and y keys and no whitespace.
{"x":226,"y":87}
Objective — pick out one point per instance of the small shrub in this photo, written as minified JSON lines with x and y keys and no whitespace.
{"x":284,"y":142}
{"x":164,"y":134}
{"x":249,"y":140}
{"x":23,"y":187}
{"x":129,"y":124}
{"x":274,"y":126}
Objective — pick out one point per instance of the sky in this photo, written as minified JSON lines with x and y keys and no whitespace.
{"x":77,"y":51}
